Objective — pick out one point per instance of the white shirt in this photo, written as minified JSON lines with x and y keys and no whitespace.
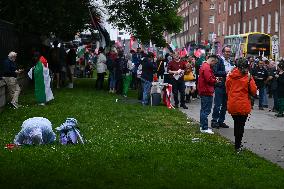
{"x":101,"y":63}
{"x":228,"y":66}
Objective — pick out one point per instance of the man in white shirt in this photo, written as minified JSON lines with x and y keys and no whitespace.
{"x":221,"y":69}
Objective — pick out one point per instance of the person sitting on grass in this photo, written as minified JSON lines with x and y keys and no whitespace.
{"x":280,"y":89}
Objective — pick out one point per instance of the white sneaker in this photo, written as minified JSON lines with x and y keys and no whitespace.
{"x":15,"y":105}
{"x":41,"y":104}
{"x":208,"y":131}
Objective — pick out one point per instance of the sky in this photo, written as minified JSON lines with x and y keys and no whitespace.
{"x":113,"y":32}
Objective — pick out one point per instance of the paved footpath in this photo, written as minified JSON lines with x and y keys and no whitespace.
{"x":264,"y":133}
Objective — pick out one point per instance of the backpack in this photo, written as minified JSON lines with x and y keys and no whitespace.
{"x":69,"y":132}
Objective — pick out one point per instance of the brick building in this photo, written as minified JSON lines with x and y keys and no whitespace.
{"x":199,"y":22}
{"x":180,"y":39}
{"x":254,"y":16}
{"x":221,"y":14}
{"x":281,"y":34}
{"x":211,"y":20}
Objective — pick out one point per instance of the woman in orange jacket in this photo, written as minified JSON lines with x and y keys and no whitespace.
{"x":240,"y":85}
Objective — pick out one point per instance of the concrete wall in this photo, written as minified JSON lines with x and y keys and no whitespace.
{"x":4,"y":96}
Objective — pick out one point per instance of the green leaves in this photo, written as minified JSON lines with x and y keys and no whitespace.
{"x":63,"y":18}
{"x":146,"y":20}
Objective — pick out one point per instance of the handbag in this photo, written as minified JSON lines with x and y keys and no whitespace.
{"x":189,"y":77}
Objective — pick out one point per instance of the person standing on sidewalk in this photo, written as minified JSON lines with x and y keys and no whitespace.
{"x":240,"y":86}
{"x":177,"y":68}
{"x":10,"y":77}
{"x":221,"y":69}
{"x":280,"y":89}
{"x":206,"y":82}
{"x":260,"y":75}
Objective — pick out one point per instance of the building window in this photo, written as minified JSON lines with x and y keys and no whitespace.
{"x":219,"y":29}
{"x":269,"y":23}
{"x":195,"y":36}
{"x":189,"y":23}
{"x":245,"y":6}
{"x":256,"y":4}
{"x":276,"y":21}
{"x":240,"y":6}
{"x":262,"y":24}
{"x":230,"y":10}
{"x":263,"y":2}
{"x":212,"y":6}
{"x":235,"y":8}
{"x":229,"y":30}
{"x":219,"y":9}
{"x":255,"y":25}
{"x":224,"y":6}
{"x":250,"y":4}
{"x":244,"y":27}
{"x":196,"y":7}
{"x":249,"y":29}
{"x":239,"y":27}
{"x":234,"y":29}
{"x":211,"y":19}
{"x":195,"y":20}
{"x":224,"y":28}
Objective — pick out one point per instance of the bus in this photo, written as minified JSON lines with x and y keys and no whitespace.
{"x":249,"y":44}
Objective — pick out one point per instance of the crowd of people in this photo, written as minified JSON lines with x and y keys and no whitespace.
{"x":219,"y":81}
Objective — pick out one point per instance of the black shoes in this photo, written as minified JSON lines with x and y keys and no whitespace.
{"x":176,"y":106}
{"x":261,"y":108}
{"x":224,"y":125}
{"x":239,"y":149}
{"x":218,"y":125}
{"x":215,"y":125}
{"x":184,"y":106}
{"x":279,"y":115}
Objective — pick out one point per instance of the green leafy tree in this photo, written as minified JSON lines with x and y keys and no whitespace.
{"x":61,"y":17}
{"x":145,"y":19}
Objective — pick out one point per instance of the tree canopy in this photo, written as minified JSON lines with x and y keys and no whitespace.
{"x":145,"y":19}
{"x":63,"y":18}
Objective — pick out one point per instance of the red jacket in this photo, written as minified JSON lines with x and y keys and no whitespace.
{"x":206,"y":80}
{"x":238,"y":92}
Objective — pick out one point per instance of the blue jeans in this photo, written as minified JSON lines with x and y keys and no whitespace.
{"x":146,"y":91}
{"x":206,"y":105}
{"x":261,"y":96}
{"x":112,"y":80}
{"x":265,"y":99}
{"x":220,"y":105}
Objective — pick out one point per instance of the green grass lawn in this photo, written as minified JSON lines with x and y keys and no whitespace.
{"x":127,"y":146}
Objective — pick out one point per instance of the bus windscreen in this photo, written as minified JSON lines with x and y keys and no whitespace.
{"x":258,"y":44}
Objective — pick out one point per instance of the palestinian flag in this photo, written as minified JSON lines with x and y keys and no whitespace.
{"x":42,"y":79}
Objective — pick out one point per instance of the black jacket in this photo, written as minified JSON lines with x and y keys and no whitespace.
{"x":148,"y":69}
{"x":9,"y":68}
{"x":280,"y":87}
